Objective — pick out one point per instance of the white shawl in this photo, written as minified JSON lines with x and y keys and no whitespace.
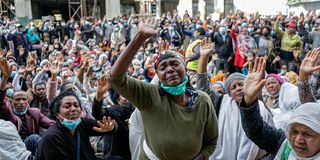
{"x":289,"y":100}
{"x":11,"y":145}
{"x":233,"y":144}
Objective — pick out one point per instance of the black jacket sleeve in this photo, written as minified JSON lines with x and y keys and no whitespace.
{"x":258,"y":131}
{"x":97,"y":111}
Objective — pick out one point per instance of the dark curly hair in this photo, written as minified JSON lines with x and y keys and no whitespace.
{"x":56,"y":103}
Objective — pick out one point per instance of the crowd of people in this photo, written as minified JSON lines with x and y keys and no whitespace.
{"x":137,"y":87}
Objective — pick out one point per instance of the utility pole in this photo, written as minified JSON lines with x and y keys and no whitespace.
{"x":94,"y":10}
{"x":84,"y":6}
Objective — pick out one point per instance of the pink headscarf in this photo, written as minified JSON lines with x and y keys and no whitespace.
{"x":277,"y":77}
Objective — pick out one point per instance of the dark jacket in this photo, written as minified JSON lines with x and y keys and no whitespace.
{"x":42,"y":104}
{"x":224,"y":49}
{"x":258,"y":131}
{"x":120,"y":114}
{"x":19,"y":39}
{"x":34,"y":118}
{"x":58,"y":143}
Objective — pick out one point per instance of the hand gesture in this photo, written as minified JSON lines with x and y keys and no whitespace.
{"x":22,"y":70}
{"x":43,"y":49}
{"x":148,"y":29}
{"x":296,"y":53}
{"x":276,"y":59}
{"x":46,"y":68}
{"x":105,"y":125}
{"x":308,"y":64}
{"x":33,"y":55}
{"x":102,"y":87}
{"x":54,"y":69}
{"x":31,"y":65}
{"x":4,"y":68}
{"x":1,"y":54}
{"x":9,"y":53}
{"x":205,"y":49}
{"x":254,"y":81}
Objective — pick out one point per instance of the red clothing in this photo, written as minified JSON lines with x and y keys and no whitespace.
{"x":238,"y":59}
{"x":77,"y":61}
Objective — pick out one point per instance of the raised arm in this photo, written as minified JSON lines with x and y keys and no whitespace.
{"x":145,"y":31}
{"x":16,"y":79}
{"x":202,"y":78}
{"x":53,"y":82}
{"x":5,"y":71}
{"x":257,"y":130}
{"x":102,"y":87}
{"x":307,"y":67}
{"x":5,"y":107}
{"x":276,"y":28}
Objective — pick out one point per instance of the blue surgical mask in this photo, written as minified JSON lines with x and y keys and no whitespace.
{"x":222,"y":30}
{"x":71,"y":124}
{"x":13,"y":74}
{"x":250,"y":30}
{"x":9,"y":92}
{"x":18,"y":112}
{"x":177,"y":90}
{"x":70,"y":80}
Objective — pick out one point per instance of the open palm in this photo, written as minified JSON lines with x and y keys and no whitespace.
{"x":254,"y":81}
{"x":308,"y":64}
{"x":54,"y":69}
{"x":105,"y":125}
{"x":148,"y":28}
{"x":5,"y":68}
{"x":206,"y":49}
{"x":102,"y":87}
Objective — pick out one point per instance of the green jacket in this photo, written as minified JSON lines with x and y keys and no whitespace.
{"x":171,"y":131}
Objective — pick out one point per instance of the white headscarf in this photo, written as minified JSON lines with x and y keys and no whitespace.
{"x":308,"y":115}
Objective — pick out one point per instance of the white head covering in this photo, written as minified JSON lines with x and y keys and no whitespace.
{"x":308,"y":115}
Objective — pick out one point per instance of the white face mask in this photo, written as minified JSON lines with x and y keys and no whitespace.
{"x":282,"y":71}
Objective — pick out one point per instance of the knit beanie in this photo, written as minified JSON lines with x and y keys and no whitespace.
{"x":233,"y":77}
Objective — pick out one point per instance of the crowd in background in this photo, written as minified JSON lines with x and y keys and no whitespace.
{"x":43,"y":64}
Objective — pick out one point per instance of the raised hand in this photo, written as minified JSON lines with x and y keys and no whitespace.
{"x":5,"y":69}
{"x":148,"y":28}
{"x":1,"y":54}
{"x":54,"y":69}
{"x":102,"y":87}
{"x":205,"y":49}
{"x":308,"y":64}
{"x":105,"y":125}
{"x":46,"y":68}
{"x":254,"y":81}
{"x":22,"y":70}
{"x":31,"y":65}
